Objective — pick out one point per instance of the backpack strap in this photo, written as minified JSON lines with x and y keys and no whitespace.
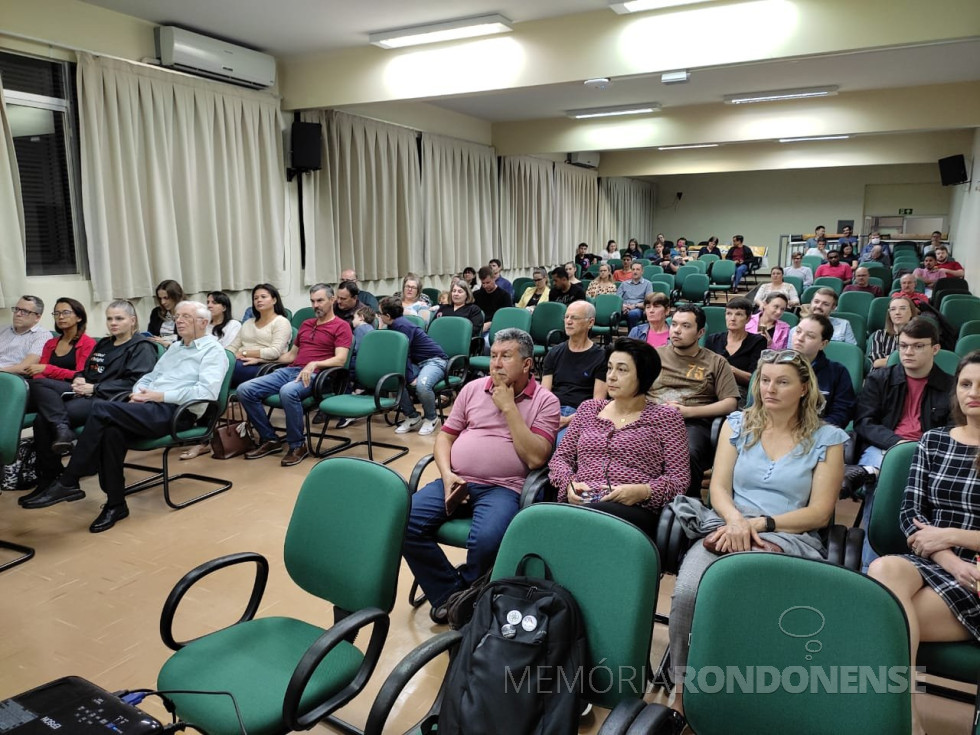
{"x":521,"y":570}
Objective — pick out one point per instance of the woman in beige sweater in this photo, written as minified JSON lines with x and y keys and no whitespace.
{"x":262,"y":339}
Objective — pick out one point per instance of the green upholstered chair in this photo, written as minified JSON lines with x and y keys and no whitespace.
{"x":380,"y":370}
{"x":343,"y":545}
{"x":13,"y":400}
{"x":714,"y":317}
{"x":807,"y":295}
{"x":722,"y":275}
{"x":198,"y":433}
{"x":790,"y":318}
{"x":859,"y":326}
{"x":608,"y":314}
{"x":796,"y":281}
{"x":663,"y":283}
{"x":617,"y":581}
{"x":960,"y":309}
{"x":709,"y":258}
{"x":520,"y":286}
{"x":509,"y":316}
{"x":967,"y":344}
{"x":876,"y":313}
{"x":829,"y":282}
{"x":547,"y":328}
{"x":812,"y":262}
{"x":432,"y":294}
{"x":968,"y":328}
{"x":453,"y":334}
{"x":696,"y":289}
{"x":956,"y":661}
{"x":301,"y":316}
{"x":856,"y":302}
{"x":851,"y":357}
{"x":649,"y":271}
{"x":416,"y":320}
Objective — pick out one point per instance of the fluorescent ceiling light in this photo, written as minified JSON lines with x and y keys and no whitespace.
{"x":746,"y":98}
{"x":816,"y":137}
{"x":685,"y":147}
{"x":675,"y":77}
{"x":638,"y":108}
{"x":452,"y":30}
{"x":639,"y":6}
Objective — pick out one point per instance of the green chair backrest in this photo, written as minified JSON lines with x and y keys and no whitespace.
{"x":876,"y":313}
{"x":682,"y":273}
{"x":714,"y":320}
{"x":920,"y":287}
{"x":642,"y":261}
{"x":851,"y":357}
{"x":606,"y":305}
{"x":709,"y":258}
{"x":905,"y":246}
{"x":771,"y":638}
{"x":615,"y":263}
{"x":13,"y":390}
{"x":381,"y":351}
{"x":509,"y":316}
{"x":667,"y":279}
{"x":545,"y":318}
{"x":968,"y":328}
{"x":433,"y":295}
{"x":520,"y":285}
{"x":415,"y":319}
{"x":694,"y":287}
{"x":859,"y":325}
{"x":960,"y":309}
{"x":967,"y":344}
{"x":701,"y":265}
{"x":829,"y":282}
{"x":722,"y":272}
{"x":856,"y":302}
{"x":301,"y":316}
{"x":879,"y":282}
{"x":812,"y":262}
{"x":649,"y":271}
{"x":345,"y":536}
{"x":790,"y":318}
{"x":884,"y":532}
{"x":620,"y":586}
{"x":807,"y":294}
{"x":946,"y":360}
{"x":452,"y":334}
{"x":796,"y":281}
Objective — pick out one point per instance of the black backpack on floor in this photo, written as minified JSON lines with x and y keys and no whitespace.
{"x":519,"y":669}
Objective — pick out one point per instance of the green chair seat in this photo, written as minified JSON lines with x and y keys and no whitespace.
{"x":227,"y":661}
{"x":274,"y":401}
{"x":480,"y":364}
{"x":355,"y":407}
{"x":959,"y":661}
{"x":454,"y":532}
{"x":147,"y":445}
{"x":28,"y":420}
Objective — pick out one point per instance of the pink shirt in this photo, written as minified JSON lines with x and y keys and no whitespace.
{"x":483,"y":452}
{"x":780,"y":336}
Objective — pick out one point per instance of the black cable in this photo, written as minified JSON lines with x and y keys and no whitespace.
{"x":127,"y":696}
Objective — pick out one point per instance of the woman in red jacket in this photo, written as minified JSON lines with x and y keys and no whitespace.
{"x":66,"y":354}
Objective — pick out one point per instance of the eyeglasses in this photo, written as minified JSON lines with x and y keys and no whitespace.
{"x":913,"y":347}
{"x":780,"y":357}
{"x":24,"y":312}
{"x":63,"y":312}
{"x":185,"y":317}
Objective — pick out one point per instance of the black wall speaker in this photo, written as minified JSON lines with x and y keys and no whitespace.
{"x":952,"y":170}
{"x":305,"y":154}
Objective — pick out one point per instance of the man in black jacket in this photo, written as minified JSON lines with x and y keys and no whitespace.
{"x":898,"y":404}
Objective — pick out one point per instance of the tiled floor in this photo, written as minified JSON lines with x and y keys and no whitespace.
{"x":89,"y":604}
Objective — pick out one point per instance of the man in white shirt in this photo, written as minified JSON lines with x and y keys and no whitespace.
{"x":21,"y":343}
{"x":798,"y":270}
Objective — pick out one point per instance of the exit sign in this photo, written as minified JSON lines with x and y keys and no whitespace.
{"x":905,"y":211}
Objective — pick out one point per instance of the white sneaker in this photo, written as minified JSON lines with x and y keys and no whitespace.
{"x":428,"y":426}
{"x":408,"y":425}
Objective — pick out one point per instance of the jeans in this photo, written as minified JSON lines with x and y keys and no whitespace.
{"x":492,"y":509}
{"x":565,"y":411}
{"x":429,"y":373}
{"x":740,"y":271}
{"x":291,"y":392}
{"x":634,"y":316}
{"x":870,"y":457}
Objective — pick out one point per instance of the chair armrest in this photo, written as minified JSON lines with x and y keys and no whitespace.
{"x":211,"y":407}
{"x":403,"y":673}
{"x":200,"y":572}
{"x":381,"y":387}
{"x":416,"y":478}
{"x":853,"y":547}
{"x":330,"y":382}
{"x":554,"y":337}
{"x":271,"y":367}
{"x":476,"y":346}
{"x":341,"y":631}
{"x":457,"y":365}
{"x":535,"y":484}
{"x":621,"y":717}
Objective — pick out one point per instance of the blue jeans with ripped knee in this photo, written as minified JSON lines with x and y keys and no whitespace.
{"x":429,"y":373}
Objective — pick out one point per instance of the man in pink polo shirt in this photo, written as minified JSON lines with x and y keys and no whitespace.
{"x":500,"y":428}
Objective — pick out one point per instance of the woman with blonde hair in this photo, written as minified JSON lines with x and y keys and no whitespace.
{"x":413,"y":300}
{"x":604,"y":283}
{"x":461,"y":304}
{"x":538,"y":293}
{"x":883,"y":342}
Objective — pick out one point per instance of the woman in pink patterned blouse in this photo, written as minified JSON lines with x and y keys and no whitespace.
{"x":627,"y":456}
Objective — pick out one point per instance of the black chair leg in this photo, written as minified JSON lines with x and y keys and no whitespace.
{"x":162,"y":476}
{"x":25,"y":553}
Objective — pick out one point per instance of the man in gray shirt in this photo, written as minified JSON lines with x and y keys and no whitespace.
{"x":632,"y":292}
{"x":21,"y":343}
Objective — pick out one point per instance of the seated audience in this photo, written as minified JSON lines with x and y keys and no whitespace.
{"x":413,"y":300}
{"x":611,"y":252}
{"x":114,"y":365}
{"x":818,"y":250}
{"x":953,"y":269}
{"x":809,"y":339}
{"x":661,"y":255}
{"x":604,"y":283}
{"x":820,"y":233}
{"x":469,"y":275}
{"x":678,"y":257}
{"x":222,"y":326}
{"x":847,"y":255}
{"x":626,"y":272}
{"x":162,"y":328}
{"x":584,"y":258}
{"x":633,"y":293}
{"x":461,"y":304}
{"x":574,"y":370}
{"x":572,"y":273}
{"x":22,"y":343}
{"x":777,"y":285}
{"x":824,"y":302}
{"x":876,"y":255}
{"x":798,"y":270}
{"x":66,"y":354}
{"x":696,"y":381}
{"x":490,"y":297}
{"x":496,"y":266}
{"x":564,"y":291}
{"x":711,"y":248}
{"x":742,"y":257}
{"x":935,"y":240}
{"x":768,"y":323}
{"x":633,"y":248}
{"x":348,"y":301}
{"x":775,"y":480}
{"x":847,"y":238}
{"x":626,"y":455}
{"x":739,"y":347}
{"x":192,"y":368}
{"x":362,"y":323}
{"x":940,"y":516}
{"x":654,"y":331}
{"x":884,"y":342}
{"x":834,"y":268}
{"x":534,"y":295}
{"x":906,"y":288}
{"x":426,"y":366}
{"x":321,"y":342}
{"x":500,"y":428}
{"x":262,"y":339}
{"x":862,"y":283}
{"x":930,"y":272}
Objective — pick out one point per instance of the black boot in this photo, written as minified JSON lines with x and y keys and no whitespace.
{"x":64,"y":441}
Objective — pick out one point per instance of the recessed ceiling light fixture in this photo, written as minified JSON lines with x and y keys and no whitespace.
{"x":451,"y":30}
{"x":639,"y":6}
{"x":598,"y":83}
{"x":746,"y":98}
{"x":639,"y":108}
{"x":675,"y":77}
{"x":686,"y":147}
{"x":816,"y":137}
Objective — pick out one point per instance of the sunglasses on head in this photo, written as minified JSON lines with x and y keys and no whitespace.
{"x":780,"y":357}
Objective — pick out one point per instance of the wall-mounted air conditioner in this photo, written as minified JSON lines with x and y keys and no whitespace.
{"x":586,"y":159}
{"x":209,"y":57}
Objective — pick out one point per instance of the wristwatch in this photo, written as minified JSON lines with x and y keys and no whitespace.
{"x":770,"y":524}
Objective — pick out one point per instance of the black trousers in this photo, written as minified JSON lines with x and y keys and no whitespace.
{"x":702,"y":453}
{"x":102,"y":446}
{"x":53,"y":411}
{"x":645,"y":520}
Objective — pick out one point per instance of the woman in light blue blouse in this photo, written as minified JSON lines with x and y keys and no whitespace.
{"x":776,"y":476}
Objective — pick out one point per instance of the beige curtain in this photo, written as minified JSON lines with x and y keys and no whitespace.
{"x":526,"y":212}
{"x":13,"y":265}
{"x":576,"y":202}
{"x":363,"y":209}
{"x":182,"y":178}
{"x":459,"y":186}
{"x":626,"y":209}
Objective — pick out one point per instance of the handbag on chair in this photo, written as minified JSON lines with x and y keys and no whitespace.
{"x":234,"y":436}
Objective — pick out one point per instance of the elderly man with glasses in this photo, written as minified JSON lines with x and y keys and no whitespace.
{"x":21,"y":343}
{"x":192,"y":368}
